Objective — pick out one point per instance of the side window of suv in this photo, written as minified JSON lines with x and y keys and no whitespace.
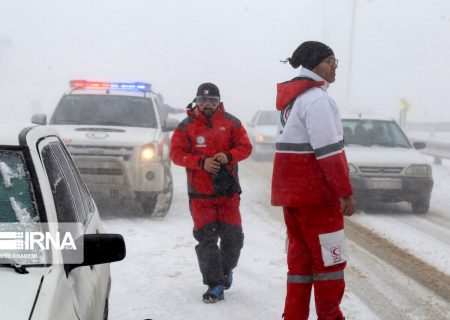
{"x":63,"y":180}
{"x":66,"y":209}
{"x":162,"y":113}
{"x":85,"y":195}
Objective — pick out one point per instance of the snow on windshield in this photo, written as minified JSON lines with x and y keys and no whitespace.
{"x":6,"y":174}
{"x":17,"y":203}
{"x":22,"y":213}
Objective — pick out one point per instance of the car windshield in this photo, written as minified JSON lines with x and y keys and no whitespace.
{"x":18,"y":209}
{"x":374,"y":132}
{"x":268,"y":118}
{"x":114,"y":110}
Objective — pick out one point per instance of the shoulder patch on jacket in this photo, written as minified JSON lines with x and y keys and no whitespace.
{"x":236,"y":121}
{"x":183,"y":124}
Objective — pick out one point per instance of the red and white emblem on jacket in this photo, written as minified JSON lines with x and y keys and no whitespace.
{"x":201,"y":141}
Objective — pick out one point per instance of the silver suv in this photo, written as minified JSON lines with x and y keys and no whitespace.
{"x":119,"y":140}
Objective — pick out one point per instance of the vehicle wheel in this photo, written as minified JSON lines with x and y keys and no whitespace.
{"x":421,"y":206}
{"x":149,"y":203}
{"x":165,"y":198}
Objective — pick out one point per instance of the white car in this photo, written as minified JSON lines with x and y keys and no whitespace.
{"x":262,"y":131}
{"x":119,"y":140}
{"x":42,"y":190}
{"x":384,"y":165}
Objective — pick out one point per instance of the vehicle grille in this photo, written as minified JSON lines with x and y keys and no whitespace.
{"x":81,"y":150}
{"x":381,"y":170}
{"x":101,"y":171}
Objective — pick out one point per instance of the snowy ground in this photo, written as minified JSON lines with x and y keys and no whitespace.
{"x":159,"y":279}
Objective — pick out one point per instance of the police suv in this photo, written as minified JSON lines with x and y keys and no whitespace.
{"x":119,"y":140}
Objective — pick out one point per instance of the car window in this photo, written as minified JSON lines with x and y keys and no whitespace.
{"x":374,"y":132}
{"x":68,"y":203}
{"x":268,"y":118}
{"x":18,"y":211}
{"x":17,"y":196}
{"x":85,"y":195}
{"x":163,"y":114}
{"x":253,"y":121}
{"x":105,"y":109}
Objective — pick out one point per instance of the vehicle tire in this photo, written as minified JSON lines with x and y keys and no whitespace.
{"x":420,"y":206}
{"x":164,"y":200}
{"x":149,"y":203}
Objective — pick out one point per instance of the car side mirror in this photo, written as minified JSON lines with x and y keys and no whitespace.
{"x":249,"y":124}
{"x":170,"y":124}
{"x":419,"y":145}
{"x":99,"y":248}
{"x":39,"y":118}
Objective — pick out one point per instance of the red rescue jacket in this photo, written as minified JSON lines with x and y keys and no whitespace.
{"x":197,"y":138}
{"x":310,"y":167}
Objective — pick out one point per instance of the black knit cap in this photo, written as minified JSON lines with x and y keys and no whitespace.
{"x":208,"y":89}
{"x":310,"y":54}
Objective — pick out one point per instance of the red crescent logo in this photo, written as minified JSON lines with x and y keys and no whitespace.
{"x":336,"y":251}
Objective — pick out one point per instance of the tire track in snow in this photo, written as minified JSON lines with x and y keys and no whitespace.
{"x":418,"y":270}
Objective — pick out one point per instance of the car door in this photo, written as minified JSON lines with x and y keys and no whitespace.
{"x":72,"y":207}
{"x":100,"y":274}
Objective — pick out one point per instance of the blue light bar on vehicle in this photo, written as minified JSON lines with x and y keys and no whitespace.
{"x":83,"y":84}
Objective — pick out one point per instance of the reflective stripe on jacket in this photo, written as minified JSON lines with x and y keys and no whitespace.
{"x":310,"y":167}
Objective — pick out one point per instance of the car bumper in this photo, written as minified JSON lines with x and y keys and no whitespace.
{"x":392,"y":189}
{"x":114,"y":177}
{"x":264,"y":148}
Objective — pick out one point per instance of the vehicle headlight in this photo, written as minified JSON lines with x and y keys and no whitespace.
{"x":352,"y":169}
{"x":148,"y":153}
{"x":419,"y":170}
{"x":260,"y":138}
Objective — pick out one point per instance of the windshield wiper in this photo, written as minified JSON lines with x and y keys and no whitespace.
{"x":383,"y":144}
{"x":106,"y":123}
{"x":356,"y":143}
{"x":400,"y":145}
{"x":66,"y":122}
{"x":14,"y":265}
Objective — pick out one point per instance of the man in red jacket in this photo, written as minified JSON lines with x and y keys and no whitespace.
{"x":209,"y":143}
{"x":311,"y":181}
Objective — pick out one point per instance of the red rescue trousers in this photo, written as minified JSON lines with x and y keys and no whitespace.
{"x":307,"y":227}
{"x":217,"y":219}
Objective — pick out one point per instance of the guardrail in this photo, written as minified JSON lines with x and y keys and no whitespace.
{"x":428,"y":126}
{"x":438,"y":150}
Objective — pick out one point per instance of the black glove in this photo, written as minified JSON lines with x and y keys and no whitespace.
{"x":224,"y":182}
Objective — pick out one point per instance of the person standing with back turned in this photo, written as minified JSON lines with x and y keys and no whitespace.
{"x":311,"y":181}
{"x":209,"y":143}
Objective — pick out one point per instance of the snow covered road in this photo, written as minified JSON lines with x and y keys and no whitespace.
{"x":159,"y":279}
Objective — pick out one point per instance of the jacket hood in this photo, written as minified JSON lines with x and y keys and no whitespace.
{"x":289,"y":90}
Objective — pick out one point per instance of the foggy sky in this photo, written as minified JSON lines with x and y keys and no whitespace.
{"x":401,"y":50}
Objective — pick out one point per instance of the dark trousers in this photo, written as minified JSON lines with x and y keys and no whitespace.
{"x":217,"y":219}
